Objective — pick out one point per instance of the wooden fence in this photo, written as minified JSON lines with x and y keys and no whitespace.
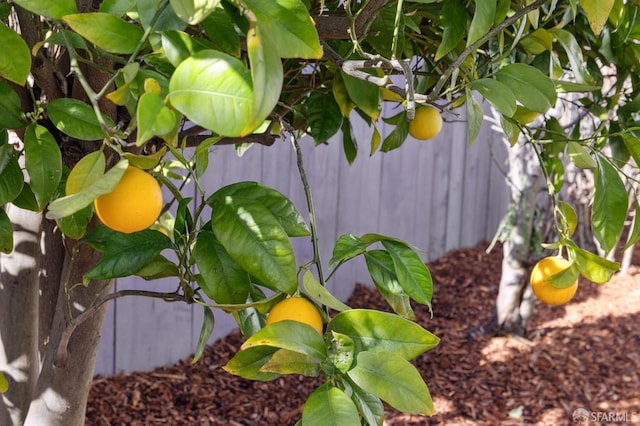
{"x":439,"y":195}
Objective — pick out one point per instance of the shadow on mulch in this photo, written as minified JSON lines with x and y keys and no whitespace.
{"x":583,"y":355}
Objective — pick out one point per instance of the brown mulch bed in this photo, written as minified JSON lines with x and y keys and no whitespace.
{"x":583,"y":355}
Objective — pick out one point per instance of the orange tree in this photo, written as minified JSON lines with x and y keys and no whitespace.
{"x":90,"y":89}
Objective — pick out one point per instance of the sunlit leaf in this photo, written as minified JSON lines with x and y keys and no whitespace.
{"x":454,"y":22}
{"x":394,"y":380}
{"x":482,"y":21}
{"x":597,"y":13}
{"x":475,"y":117}
{"x":106,"y":31}
{"x":610,"y":202}
{"x":497,"y":94}
{"x":594,"y":268}
{"x":285,"y":361}
{"x":77,"y":119}
{"x":414,"y":277}
{"x":15,"y":61}
{"x":321,"y":294}
{"x":530,"y":86}
{"x":54,"y":9}
{"x":248,"y":363}
{"x":330,"y":406}
{"x":291,"y":335}
{"x":193,"y":11}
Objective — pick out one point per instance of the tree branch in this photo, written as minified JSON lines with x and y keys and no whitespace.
{"x":334,"y":27}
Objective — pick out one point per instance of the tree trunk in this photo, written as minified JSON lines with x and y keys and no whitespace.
{"x":37,"y":297}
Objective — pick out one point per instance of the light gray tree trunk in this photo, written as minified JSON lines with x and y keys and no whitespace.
{"x":36,"y":303}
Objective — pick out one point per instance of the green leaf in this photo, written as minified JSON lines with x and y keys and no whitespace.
{"x":413,"y":275}
{"x":483,"y":17}
{"x":453,"y":17}
{"x":394,"y":380}
{"x":349,"y":142}
{"x":580,"y":156}
{"x":75,"y":225}
{"x":54,"y":9}
{"x":159,"y":267}
{"x":365,"y":95}
{"x":565,"y":278}
{"x":574,"y":53}
{"x":280,"y":206}
{"x":86,"y":172}
{"x":321,"y":294}
{"x":154,"y":118}
{"x":11,"y":179}
{"x":610,"y":203}
{"x":634,"y":236}
{"x":205,"y":332}
{"x":15,"y":62}
{"x":289,"y":27}
{"x":254,"y":238}
{"x":108,"y":32}
{"x":594,"y":268}
{"x":70,"y":204}
{"x":369,"y":405}
{"x":11,"y":115}
{"x":179,"y":45}
{"x":597,"y":13}
{"x":376,"y":140}
{"x":193,"y":11}
{"x":382,"y":271}
{"x":397,"y":136}
{"x":347,"y":247}
{"x":497,"y":94}
{"x":530,"y":86}
{"x":325,"y":118}
{"x":77,"y":119}
{"x":43,"y":161}
{"x":222,"y":32}
{"x":329,"y":406}
{"x":123,"y":254}
{"x":248,"y":363}
{"x":633,"y":146}
{"x":213,"y":90}
{"x":568,"y":216}
{"x":377,"y":331}
{"x":6,"y":237}
{"x":342,"y":351}
{"x":475,"y":117}
{"x":223,"y":279}
{"x":537,"y":42}
{"x":285,"y":361}
{"x":291,"y":335}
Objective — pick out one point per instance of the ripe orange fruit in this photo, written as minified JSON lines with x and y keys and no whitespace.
{"x":296,"y":309}
{"x":133,"y":205}
{"x":426,"y":124}
{"x":543,"y":289}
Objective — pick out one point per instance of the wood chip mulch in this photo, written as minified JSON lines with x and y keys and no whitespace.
{"x":584,"y":355}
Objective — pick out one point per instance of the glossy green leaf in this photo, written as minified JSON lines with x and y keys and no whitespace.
{"x":26,"y":199}
{"x":580,"y":156}
{"x":86,"y":172}
{"x":394,"y":380}
{"x":154,"y":118}
{"x":634,"y":235}
{"x":397,"y":136}
{"x":222,"y":32}
{"x":75,"y":225}
{"x":248,"y":363}
{"x":569,"y":217}
{"x":324,"y":115}
{"x":223,"y":279}
{"x":376,"y":139}
{"x":179,"y":45}
{"x":475,"y":117}
{"x":382,"y":272}
{"x":413,"y":275}
{"x":453,"y":17}
{"x":6,"y":240}
{"x":162,"y":18}
{"x":594,"y":268}
{"x":365,"y":95}
{"x":565,"y":278}
{"x":369,"y":405}
{"x":54,"y":9}
{"x":497,"y":94}
{"x":254,"y":238}
{"x":340,"y":94}
{"x":11,"y":115}
{"x":106,"y":31}
{"x":123,"y":254}
{"x":77,"y":119}
{"x":574,"y":54}
{"x":483,"y":17}
{"x":117,"y":7}
{"x":597,"y":13}
{"x":70,"y":204}
{"x":285,"y":361}
{"x":537,"y":42}
{"x":15,"y":61}
{"x":347,"y":247}
{"x":208,"y":323}
{"x":530,"y":86}
{"x":321,"y":294}
{"x":43,"y":161}
{"x":377,"y":331}
{"x":277,"y":203}
{"x":291,"y":335}
{"x":610,"y":202}
{"x":159,"y":267}
{"x":193,"y":11}
{"x":266,"y":75}
{"x":11,"y":179}
{"x":213,"y":90}
{"x":329,"y":406}
{"x":289,"y":27}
